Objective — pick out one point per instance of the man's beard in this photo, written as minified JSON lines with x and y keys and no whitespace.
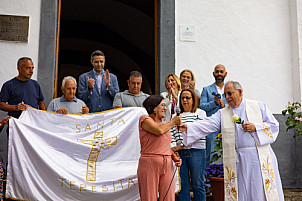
{"x":219,"y":78}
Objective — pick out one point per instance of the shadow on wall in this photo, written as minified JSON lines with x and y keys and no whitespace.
{"x":287,"y":150}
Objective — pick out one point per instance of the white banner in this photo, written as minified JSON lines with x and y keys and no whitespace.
{"x":74,"y":157}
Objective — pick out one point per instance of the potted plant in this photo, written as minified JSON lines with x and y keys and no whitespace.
{"x":294,"y":120}
{"x":217,"y":153}
{"x":214,"y":172}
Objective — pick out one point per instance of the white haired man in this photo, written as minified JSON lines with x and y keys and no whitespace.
{"x":68,"y":103}
{"x":250,"y":165}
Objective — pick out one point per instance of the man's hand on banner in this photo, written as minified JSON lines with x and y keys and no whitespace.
{"x":62,"y":111}
{"x":85,"y":109}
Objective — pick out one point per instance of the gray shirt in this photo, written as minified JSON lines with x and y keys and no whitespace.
{"x":126,"y":99}
{"x":73,"y":107}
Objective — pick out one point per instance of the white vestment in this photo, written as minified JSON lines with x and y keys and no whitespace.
{"x":249,"y":177}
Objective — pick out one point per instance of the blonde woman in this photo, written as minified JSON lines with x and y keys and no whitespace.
{"x":187,"y":80}
{"x":172,"y":84}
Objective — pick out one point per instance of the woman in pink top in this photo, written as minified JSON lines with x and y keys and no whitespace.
{"x":155,"y":169}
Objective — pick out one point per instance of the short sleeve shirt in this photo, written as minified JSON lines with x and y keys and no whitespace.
{"x":73,"y":107}
{"x":16,"y":91}
{"x":126,"y":99}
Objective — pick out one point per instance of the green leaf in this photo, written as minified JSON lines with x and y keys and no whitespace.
{"x":217,"y":148}
{"x":214,"y":158}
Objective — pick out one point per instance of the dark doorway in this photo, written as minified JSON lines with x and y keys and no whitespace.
{"x":123,"y":29}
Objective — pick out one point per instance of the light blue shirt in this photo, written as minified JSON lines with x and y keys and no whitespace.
{"x":73,"y":107}
{"x":98,"y":79}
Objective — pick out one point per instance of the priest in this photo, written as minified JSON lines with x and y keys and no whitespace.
{"x":248,"y":128}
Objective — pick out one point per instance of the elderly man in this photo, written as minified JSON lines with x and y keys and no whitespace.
{"x":250,"y":165}
{"x":21,"y":90}
{"x":98,"y":87}
{"x":68,"y":103}
{"x":133,"y":97}
{"x":211,"y":100}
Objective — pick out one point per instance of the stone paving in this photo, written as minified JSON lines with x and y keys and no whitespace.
{"x":289,"y":195}
{"x":292,"y":194}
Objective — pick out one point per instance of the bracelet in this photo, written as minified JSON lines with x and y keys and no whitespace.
{"x":16,"y":107}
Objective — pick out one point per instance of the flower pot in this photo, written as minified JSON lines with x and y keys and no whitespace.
{"x":217,"y":188}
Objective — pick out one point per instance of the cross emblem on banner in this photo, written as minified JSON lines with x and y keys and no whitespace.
{"x":97,"y":144}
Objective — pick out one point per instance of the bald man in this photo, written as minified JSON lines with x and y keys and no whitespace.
{"x":211,"y":100}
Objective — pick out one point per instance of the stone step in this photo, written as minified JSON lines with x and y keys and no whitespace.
{"x":289,"y":195}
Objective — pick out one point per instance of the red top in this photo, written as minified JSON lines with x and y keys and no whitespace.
{"x":151,"y":143}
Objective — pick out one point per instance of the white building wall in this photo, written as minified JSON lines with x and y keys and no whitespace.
{"x":10,"y":52}
{"x":252,"y":38}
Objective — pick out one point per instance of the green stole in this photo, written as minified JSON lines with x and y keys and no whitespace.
{"x":253,"y":114}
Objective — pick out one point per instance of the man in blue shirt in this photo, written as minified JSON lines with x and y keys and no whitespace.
{"x":21,"y":90}
{"x":98,"y":87}
{"x":68,"y":103}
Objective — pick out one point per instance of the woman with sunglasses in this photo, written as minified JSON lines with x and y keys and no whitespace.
{"x":155,"y":169}
{"x":172,"y":84}
{"x":194,"y":155}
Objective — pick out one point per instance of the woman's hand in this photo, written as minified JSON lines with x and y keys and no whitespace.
{"x":174,"y":94}
{"x":169,"y":89}
{"x":192,"y":85}
{"x":176,"y":148}
{"x":177,"y":120}
{"x":177,"y":160}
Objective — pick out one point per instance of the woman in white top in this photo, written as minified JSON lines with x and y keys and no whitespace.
{"x":172,"y":84}
{"x":194,"y":155}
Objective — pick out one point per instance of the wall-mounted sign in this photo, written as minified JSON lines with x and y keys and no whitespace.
{"x":186,"y":33}
{"x":14,"y":28}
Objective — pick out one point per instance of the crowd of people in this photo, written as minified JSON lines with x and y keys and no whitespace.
{"x":180,"y":126}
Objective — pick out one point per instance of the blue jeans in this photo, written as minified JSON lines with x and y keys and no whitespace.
{"x":193,"y":163}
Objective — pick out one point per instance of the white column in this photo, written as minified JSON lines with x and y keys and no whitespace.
{"x":296,"y":37}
